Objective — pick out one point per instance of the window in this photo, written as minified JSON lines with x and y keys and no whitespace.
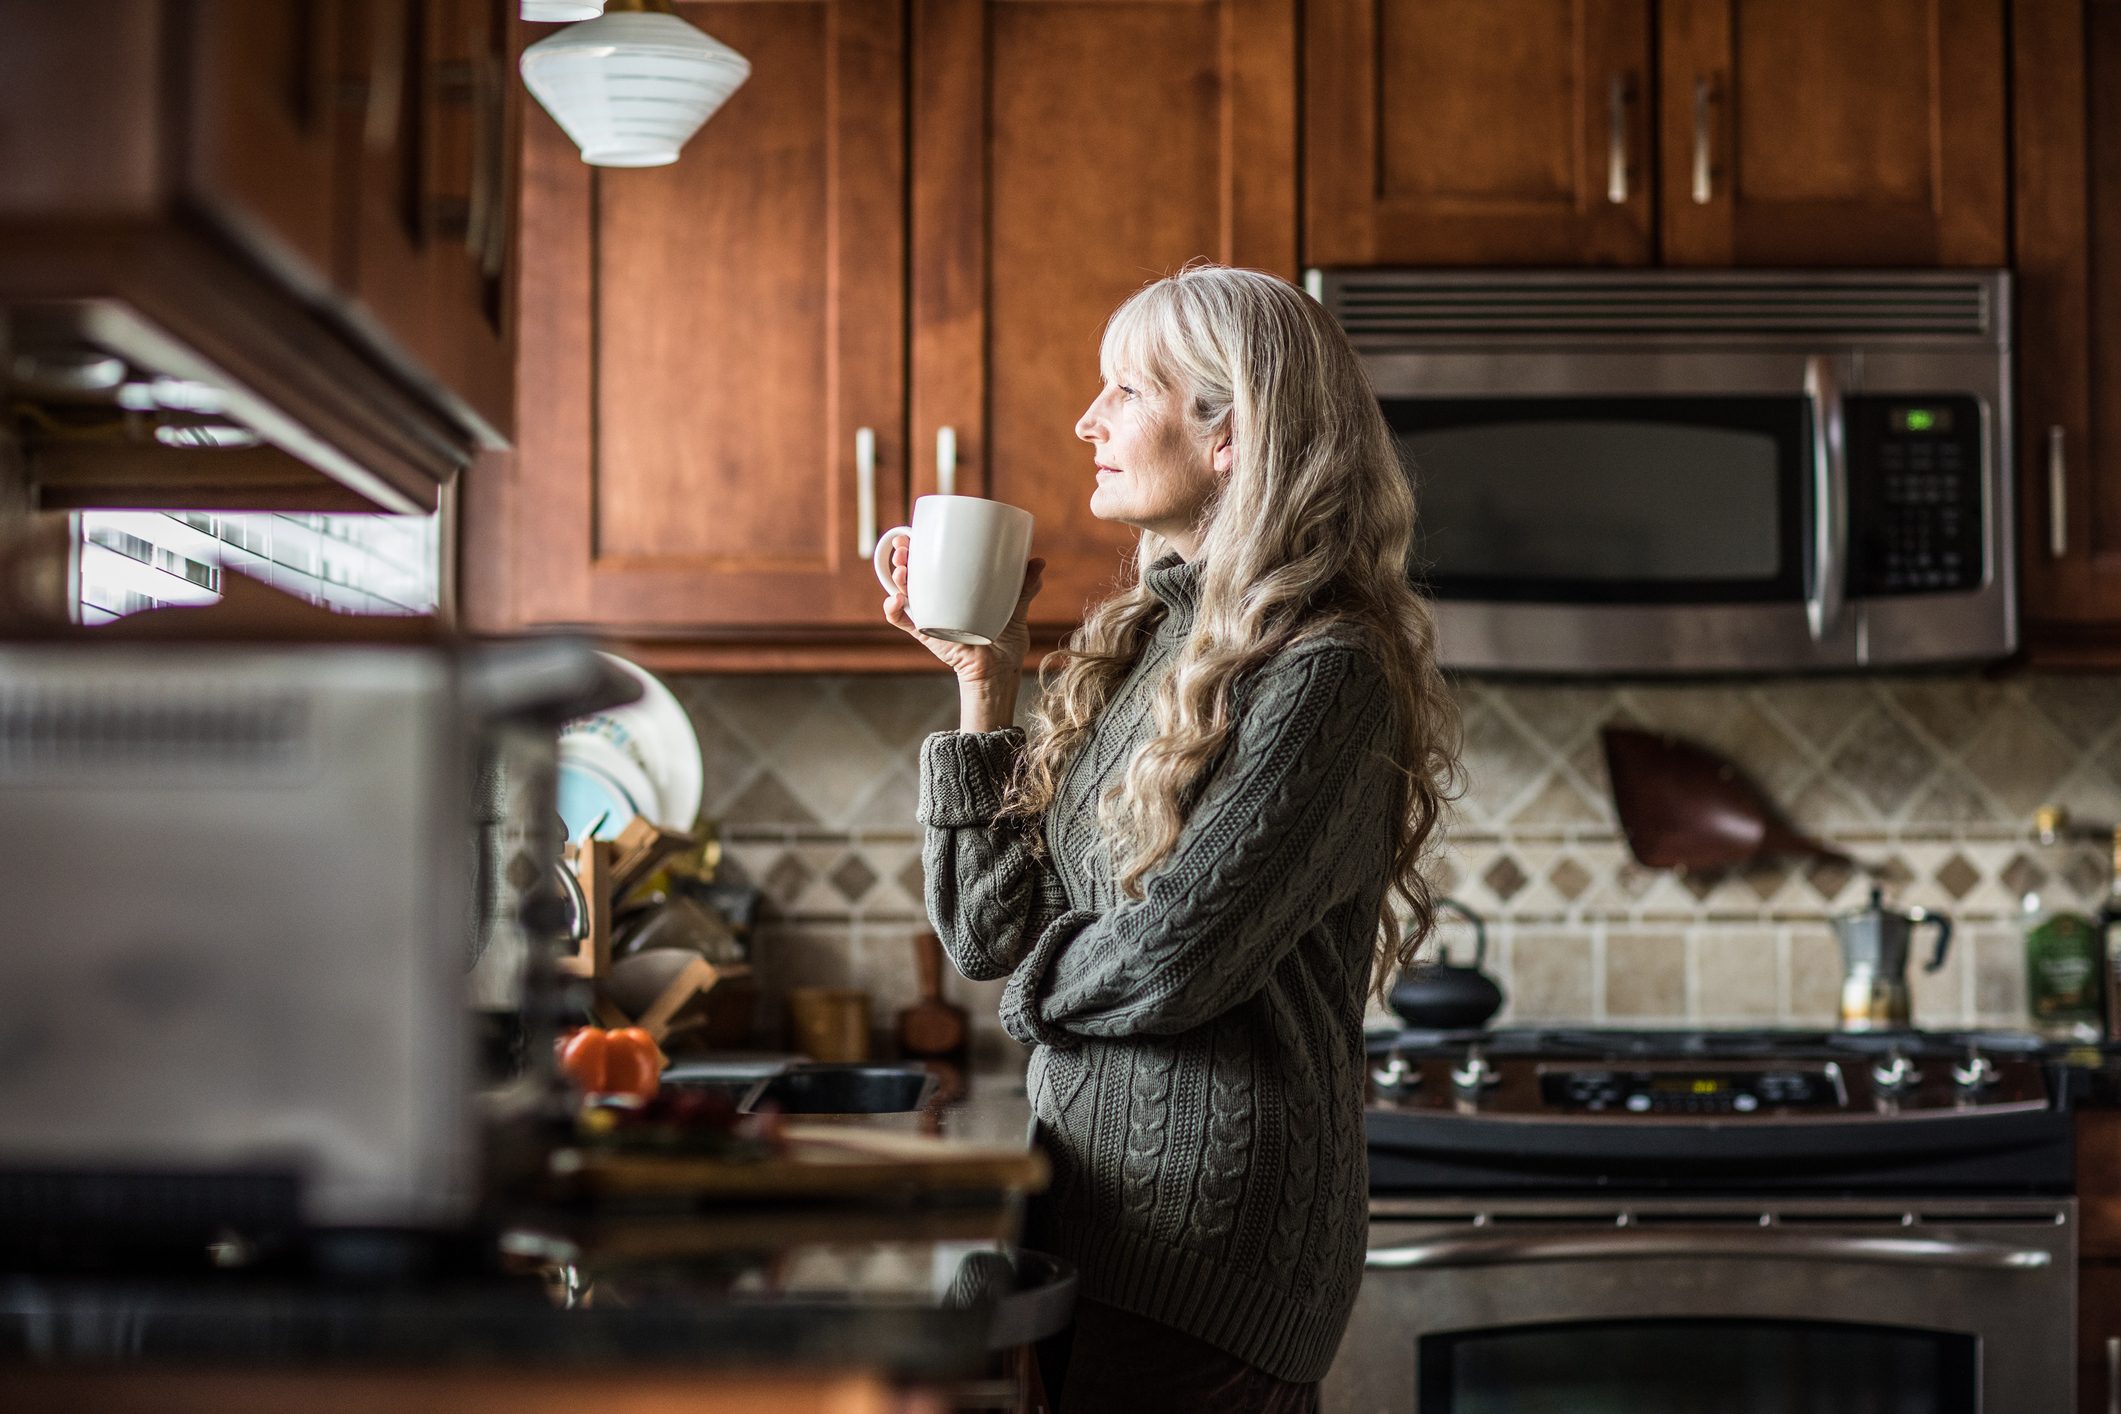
{"x":355,"y":564}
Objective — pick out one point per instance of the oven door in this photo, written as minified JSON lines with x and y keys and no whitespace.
{"x":1819,"y":1307}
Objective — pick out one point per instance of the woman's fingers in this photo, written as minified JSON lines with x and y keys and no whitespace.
{"x":1034,"y":578}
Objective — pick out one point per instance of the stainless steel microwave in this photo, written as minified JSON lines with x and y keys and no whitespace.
{"x":1664,"y":472}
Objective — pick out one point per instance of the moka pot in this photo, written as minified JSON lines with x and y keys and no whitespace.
{"x":1874,"y":949}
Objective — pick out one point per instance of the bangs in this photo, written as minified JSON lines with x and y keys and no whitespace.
{"x":1134,"y":342}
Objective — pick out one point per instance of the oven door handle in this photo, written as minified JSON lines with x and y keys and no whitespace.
{"x":1781,"y":1245}
{"x":1828,"y":590}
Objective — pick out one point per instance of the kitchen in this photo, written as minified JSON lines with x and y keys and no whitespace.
{"x":674,"y":407}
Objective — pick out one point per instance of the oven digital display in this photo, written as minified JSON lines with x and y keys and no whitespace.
{"x":1689,"y":1085}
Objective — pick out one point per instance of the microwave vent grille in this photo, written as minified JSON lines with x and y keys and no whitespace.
{"x":101,"y":729}
{"x":1385,"y":309}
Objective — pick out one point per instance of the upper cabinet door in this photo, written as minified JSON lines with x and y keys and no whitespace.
{"x":702,"y":344}
{"x":2067,"y":56}
{"x":259,"y":145}
{"x":1478,"y":132}
{"x":1821,"y":132}
{"x":1064,"y":155}
{"x":430,"y":152}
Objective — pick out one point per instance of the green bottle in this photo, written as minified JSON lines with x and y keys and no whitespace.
{"x":2064,"y":970}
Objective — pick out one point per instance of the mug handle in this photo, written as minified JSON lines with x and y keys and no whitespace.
{"x":880,"y":559}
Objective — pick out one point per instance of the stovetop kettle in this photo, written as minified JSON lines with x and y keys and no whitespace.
{"x":1874,"y":950}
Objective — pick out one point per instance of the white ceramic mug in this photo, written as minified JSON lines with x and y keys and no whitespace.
{"x":965,"y":561}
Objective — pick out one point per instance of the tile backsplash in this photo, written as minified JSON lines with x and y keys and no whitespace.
{"x":1930,"y":781}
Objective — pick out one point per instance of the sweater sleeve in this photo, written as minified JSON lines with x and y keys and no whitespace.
{"x":1289,"y":823}
{"x":988,"y":894}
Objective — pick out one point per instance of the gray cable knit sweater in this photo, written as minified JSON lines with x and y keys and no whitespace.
{"x":1198,"y":1072}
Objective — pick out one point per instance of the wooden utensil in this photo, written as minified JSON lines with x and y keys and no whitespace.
{"x":932,"y":1028}
{"x":1682,"y":806}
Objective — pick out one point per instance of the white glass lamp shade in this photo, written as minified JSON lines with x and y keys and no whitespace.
{"x":631,"y":88}
{"x":551,"y":12}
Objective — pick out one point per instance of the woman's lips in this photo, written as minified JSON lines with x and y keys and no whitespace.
{"x":1103,"y":470}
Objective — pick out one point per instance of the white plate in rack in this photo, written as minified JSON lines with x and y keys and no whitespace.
{"x":640,"y":759}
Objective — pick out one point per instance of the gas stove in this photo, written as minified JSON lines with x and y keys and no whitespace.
{"x":1711,"y":1110}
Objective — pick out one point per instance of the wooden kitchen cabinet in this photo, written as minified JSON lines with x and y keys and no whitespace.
{"x":1786,"y":133}
{"x":259,"y":141}
{"x":183,"y":185}
{"x":2098,"y":1189}
{"x":1816,"y":132}
{"x":430,"y":121}
{"x":2067,"y":62}
{"x":907,"y":220}
{"x":1478,"y":132}
{"x":1064,"y":155}
{"x":704,"y":343}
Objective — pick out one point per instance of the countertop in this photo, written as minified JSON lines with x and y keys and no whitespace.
{"x":918,"y":1293}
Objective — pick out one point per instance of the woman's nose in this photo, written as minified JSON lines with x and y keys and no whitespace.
{"x":1086,"y":425}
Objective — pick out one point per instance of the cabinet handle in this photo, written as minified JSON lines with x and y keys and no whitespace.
{"x":487,"y":238}
{"x":865,"y":490}
{"x":2113,"y":1374}
{"x":946,"y":461}
{"x":1616,"y":143}
{"x":1702,"y":187}
{"x":2057,"y":499}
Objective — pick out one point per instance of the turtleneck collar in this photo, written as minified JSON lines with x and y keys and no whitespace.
{"x":1177,"y":583}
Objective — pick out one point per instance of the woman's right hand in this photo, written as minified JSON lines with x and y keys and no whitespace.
{"x":1000,"y":662}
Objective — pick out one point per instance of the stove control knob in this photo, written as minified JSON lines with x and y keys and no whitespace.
{"x":1978,"y":1073}
{"x":1396,"y":1074}
{"x":1476,"y":1074}
{"x":1895,"y":1074}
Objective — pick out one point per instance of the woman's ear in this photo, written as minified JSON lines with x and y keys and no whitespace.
{"x":1224,"y":456}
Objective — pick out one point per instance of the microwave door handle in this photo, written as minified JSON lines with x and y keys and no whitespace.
{"x":1779,"y":1246}
{"x":1828,"y":591}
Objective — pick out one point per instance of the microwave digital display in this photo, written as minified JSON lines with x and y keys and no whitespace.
{"x":1921,"y":419}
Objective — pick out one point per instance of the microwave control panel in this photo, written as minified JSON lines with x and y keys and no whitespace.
{"x":1915,"y":493}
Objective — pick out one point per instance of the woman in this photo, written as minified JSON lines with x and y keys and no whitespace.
{"x":1187,"y":871}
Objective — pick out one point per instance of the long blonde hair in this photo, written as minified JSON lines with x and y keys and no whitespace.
{"x":1309,"y":532}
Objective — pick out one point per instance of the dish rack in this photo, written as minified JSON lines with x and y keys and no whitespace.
{"x":608,"y":870}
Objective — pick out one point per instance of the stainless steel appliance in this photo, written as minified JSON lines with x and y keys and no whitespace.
{"x":239,"y":904}
{"x":1706,"y":1221}
{"x":1694,"y":471}
{"x":1874,"y":948}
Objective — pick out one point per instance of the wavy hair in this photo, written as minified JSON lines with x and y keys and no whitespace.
{"x":1309,"y":532}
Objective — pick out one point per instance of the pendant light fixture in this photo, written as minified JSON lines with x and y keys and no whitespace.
{"x":561,"y":11}
{"x":631,"y":86}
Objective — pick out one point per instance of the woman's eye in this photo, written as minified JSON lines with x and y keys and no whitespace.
{"x":1127,"y":390}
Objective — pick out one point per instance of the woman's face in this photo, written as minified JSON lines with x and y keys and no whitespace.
{"x":1152,"y":473}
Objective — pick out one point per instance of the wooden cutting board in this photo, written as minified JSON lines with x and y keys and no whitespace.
{"x":821,"y":1161}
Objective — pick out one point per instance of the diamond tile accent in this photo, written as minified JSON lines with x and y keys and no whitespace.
{"x":786,"y":880}
{"x":1504,"y":879}
{"x":912,"y":880}
{"x":1766,"y":878}
{"x":1895,"y":874}
{"x":1827,"y":877}
{"x":1569,"y":879}
{"x":1958,"y":876}
{"x":1700,"y":882}
{"x":2086,"y":873}
{"x":2021,"y":876}
{"x":853,"y":877}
